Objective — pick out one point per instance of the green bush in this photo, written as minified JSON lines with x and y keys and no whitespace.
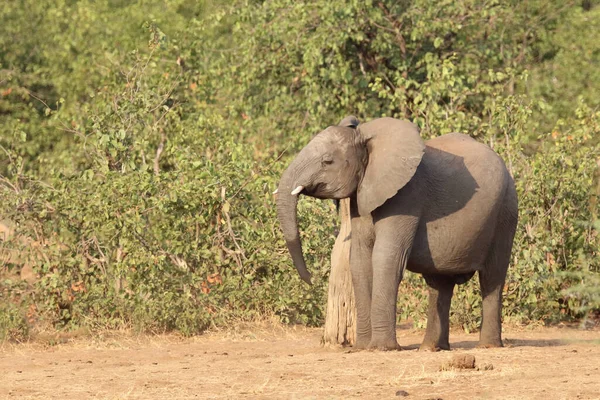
{"x":143,"y":143}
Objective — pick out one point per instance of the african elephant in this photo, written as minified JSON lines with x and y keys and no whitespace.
{"x":444,"y":208}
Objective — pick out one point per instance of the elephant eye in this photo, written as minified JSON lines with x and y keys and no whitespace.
{"x":327,"y":159}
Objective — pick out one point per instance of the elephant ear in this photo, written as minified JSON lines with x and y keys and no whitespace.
{"x":395,"y":151}
{"x":350,"y":121}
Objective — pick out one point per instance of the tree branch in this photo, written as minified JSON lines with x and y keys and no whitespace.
{"x":159,"y":151}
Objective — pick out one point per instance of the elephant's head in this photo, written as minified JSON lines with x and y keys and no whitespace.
{"x":372,"y":161}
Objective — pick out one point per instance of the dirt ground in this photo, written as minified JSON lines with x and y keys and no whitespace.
{"x":271,"y":363}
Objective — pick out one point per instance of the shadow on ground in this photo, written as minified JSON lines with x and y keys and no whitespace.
{"x":472,"y":344}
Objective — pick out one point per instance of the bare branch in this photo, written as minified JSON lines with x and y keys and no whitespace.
{"x":159,"y":151}
{"x":36,"y":97}
{"x":9,"y":184}
{"x":397,"y":28}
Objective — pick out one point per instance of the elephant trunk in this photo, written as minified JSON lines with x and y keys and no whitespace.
{"x":287,"y":204}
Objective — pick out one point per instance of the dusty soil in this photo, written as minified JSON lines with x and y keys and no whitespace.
{"x":541,"y":363}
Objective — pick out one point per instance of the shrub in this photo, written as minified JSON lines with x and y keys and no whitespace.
{"x":140,"y":158}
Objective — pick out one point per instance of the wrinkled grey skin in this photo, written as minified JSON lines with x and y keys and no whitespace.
{"x":445,"y":208}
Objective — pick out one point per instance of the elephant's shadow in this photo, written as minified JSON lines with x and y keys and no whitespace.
{"x":472,"y":344}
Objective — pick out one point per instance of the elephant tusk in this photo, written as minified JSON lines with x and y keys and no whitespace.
{"x":276,"y":190}
{"x":297,"y":190}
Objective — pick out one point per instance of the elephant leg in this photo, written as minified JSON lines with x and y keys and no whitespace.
{"x":491,"y":280}
{"x":395,"y":225}
{"x":361,"y":270}
{"x":388,"y":268}
{"x":391,"y":251}
{"x":362,"y":282}
{"x":438,"y":314}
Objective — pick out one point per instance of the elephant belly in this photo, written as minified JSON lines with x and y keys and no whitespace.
{"x":455,"y":243}
{"x":440,"y":248}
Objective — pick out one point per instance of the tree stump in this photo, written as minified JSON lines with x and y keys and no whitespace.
{"x":340,"y":326}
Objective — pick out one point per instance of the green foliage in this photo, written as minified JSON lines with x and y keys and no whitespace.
{"x":13,"y":323}
{"x":565,"y":65}
{"x":557,"y":234}
{"x":141,"y":142}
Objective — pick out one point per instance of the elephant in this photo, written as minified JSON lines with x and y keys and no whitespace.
{"x":445,"y":208}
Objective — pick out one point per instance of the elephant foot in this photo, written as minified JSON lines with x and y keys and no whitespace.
{"x":490,"y":345}
{"x":384,"y":345}
{"x":434,"y":347}
{"x":361,"y":344}
{"x":489,"y":340}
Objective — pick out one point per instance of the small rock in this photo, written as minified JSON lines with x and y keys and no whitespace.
{"x":402,"y":393}
{"x":459,"y":361}
{"x":485,"y":367}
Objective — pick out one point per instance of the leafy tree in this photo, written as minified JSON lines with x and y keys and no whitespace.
{"x":140,"y":144}
{"x":563,"y":66}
